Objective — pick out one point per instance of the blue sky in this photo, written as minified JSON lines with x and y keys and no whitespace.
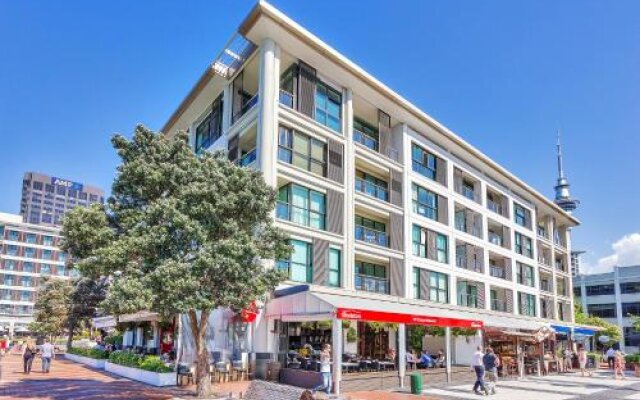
{"x":504,"y":75}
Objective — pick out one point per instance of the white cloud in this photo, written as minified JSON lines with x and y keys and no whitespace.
{"x":626,"y":252}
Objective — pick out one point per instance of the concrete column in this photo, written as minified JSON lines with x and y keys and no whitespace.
{"x":348,"y":273}
{"x":402,"y":352}
{"x":447,"y":352}
{"x":227,"y":101}
{"x":336,"y":356}
{"x":583,"y":293}
{"x":268,"y":87}
{"x":618,"y":297}
{"x":407,"y":206}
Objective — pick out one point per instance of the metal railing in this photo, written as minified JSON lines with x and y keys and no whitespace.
{"x":248,"y":158}
{"x":495,"y":238}
{"x":498,"y":305}
{"x":248,"y":105}
{"x":365,"y":140}
{"x":468,"y":300}
{"x":495,"y":207}
{"x":371,"y":284}
{"x":471,"y":265}
{"x":299,"y":215}
{"x":371,"y":189}
{"x":286,"y":98}
{"x":546,"y":286}
{"x":542,"y":233}
{"x":497,"y":272}
{"x":372,"y":236}
{"x":560,"y":266}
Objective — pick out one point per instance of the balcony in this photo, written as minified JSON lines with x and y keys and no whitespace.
{"x":495,"y":238}
{"x":468,"y":221}
{"x":468,"y":300}
{"x":246,"y":106}
{"x":545,"y":286}
{"x":372,"y":284}
{"x":300,"y":215}
{"x":495,"y":207}
{"x":471,"y":265}
{"x":542,"y":233}
{"x":560,"y":266}
{"x":498,"y":305}
{"x":286,"y":98}
{"x":249,"y":159}
{"x":371,"y":189}
{"x":365,"y":140}
{"x":372,"y":236}
{"x":497,"y":271}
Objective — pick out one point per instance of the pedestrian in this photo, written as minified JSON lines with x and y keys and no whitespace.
{"x":582,"y":361}
{"x":490,"y":363}
{"x":325,"y":369}
{"x":610,"y":356}
{"x":28,"y":354}
{"x":426,"y":361}
{"x":618,"y":365}
{"x":48,"y":352}
{"x":478,"y":366}
{"x":568,"y":360}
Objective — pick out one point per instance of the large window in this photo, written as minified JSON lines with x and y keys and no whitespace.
{"x":519,"y":214}
{"x":301,"y":205}
{"x":302,"y":151}
{"x":371,"y":277}
{"x":371,"y":231}
{"x":527,"y":304}
{"x":630,"y":308}
{"x":602,"y":310}
{"x":47,"y":240}
{"x":430,"y":244}
{"x":371,"y":185}
{"x":425,"y":202}
{"x":416,"y":282}
{"x":523,"y":245}
{"x":423,"y":162}
{"x":328,"y":107}
{"x":630,"y":287}
{"x":298,"y":267}
{"x":600,"y":290}
{"x":335,"y":267}
{"x":31,"y":238}
{"x":210,"y":128}
{"x":467,"y":294}
{"x":631,"y":336}
{"x":525,"y":274}
{"x":365,"y":134}
{"x":438,"y":287}
{"x":14,"y":236}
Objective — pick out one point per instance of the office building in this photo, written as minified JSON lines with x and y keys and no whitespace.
{"x":45,"y":199}
{"x":575,"y":262}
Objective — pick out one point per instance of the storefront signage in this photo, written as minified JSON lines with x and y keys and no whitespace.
{"x":380,"y":316}
{"x":68,"y":184}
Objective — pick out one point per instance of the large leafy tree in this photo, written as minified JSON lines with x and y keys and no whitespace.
{"x":181,"y":234}
{"x":614,"y":332}
{"x":52,"y":307}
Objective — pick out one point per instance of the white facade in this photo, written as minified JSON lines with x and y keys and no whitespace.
{"x":613,"y":296}
{"x":28,"y":252}
{"x":480,"y":252}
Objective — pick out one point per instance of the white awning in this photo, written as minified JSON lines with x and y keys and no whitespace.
{"x":138,"y":317}
{"x":105,"y":322}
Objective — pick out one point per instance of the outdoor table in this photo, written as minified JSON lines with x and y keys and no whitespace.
{"x":350,"y":365}
{"x":385,"y":364}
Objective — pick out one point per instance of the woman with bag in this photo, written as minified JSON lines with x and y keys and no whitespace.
{"x":28,"y":354}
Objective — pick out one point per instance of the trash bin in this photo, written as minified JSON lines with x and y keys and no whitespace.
{"x":416,"y":383}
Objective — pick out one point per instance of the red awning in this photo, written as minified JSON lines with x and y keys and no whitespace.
{"x":399,"y":318}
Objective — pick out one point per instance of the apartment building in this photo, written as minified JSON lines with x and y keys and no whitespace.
{"x":45,"y":198}
{"x":389,"y":211}
{"x":28,"y":253}
{"x":615,"y":297}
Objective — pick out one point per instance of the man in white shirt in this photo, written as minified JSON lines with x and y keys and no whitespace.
{"x":47,"y":354}
{"x":611,"y":354}
{"x":478,"y":367}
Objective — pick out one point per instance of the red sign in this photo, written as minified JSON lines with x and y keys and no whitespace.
{"x":398,"y":318}
{"x":250,"y":313}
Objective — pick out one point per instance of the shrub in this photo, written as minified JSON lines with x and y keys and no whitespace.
{"x":154,"y":364}
{"x":90,"y":353}
{"x":632,"y":358}
{"x":147,"y":363}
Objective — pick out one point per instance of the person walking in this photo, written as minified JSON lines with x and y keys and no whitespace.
{"x":610,"y":355}
{"x":48,"y":352}
{"x":568,"y":360}
{"x":28,"y":354}
{"x":325,"y":369}
{"x":478,"y":366}
{"x":490,"y":363}
{"x":582,"y":361}
{"x":618,"y":365}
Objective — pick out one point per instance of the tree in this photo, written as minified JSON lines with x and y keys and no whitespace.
{"x":85,"y":298}
{"x":52,"y":307}
{"x":608,"y":329}
{"x":181,"y":234}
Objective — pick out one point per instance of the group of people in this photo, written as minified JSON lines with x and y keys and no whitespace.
{"x":485,"y":364}
{"x":615,"y":361}
{"x":30,"y":351}
{"x":425,"y":360}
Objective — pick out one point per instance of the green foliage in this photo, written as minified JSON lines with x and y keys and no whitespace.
{"x":632,"y":358}
{"x":595,"y":356}
{"x":380,"y":326}
{"x":91,"y":353}
{"x":52,"y":307}
{"x":147,"y":363}
{"x":415,"y":334}
{"x":613,"y":331}
{"x":113,"y":339}
{"x":351,"y":334}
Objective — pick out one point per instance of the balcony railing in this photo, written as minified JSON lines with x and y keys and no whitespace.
{"x":468,"y":300}
{"x":286,"y":98}
{"x":365,"y":140}
{"x":498,"y":305}
{"x":544,"y":261}
{"x":464,"y":262}
{"x":542,"y":233}
{"x":495,"y":207}
{"x":299,"y":215}
{"x":248,"y":105}
{"x":371,"y":189}
{"x":497,"y":272}
{"x":467,"y":192}
{"x":248,"y":159}
{"x":545,"y":286}
{"x":372,"y":284}
{"x":560,"y":266}
{"x":372,"y":236}
{"x":495,"y":238}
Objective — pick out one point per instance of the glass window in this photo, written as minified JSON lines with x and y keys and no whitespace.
{"x":416,"y":282}
{"x":525,"y":274}
{"x":520,"y":215}
{"x":630,"y":308}
{"x":60,"y":270}
{"x":62,"y":256}
{"x":47,"y":240}
{"x":371,"y":277}
{"x":210,"y":128}
{"x":61,"y":190}
{"x":12,"y":250}
{"x":302,"y":206}
{"x":335,"y":267}
{"x":48,"y":188}
{"x":371,"y":185}
{"x":14,"y":236}
{"x":625,"y":287}
{"x":523,"y":245}
{"x":302,"y":151}
{"x":30,"y":252}
{"x":600,"y":290}
{"x":31,"y":238}
{"x":28,"y":266}
{"x":527,"y":304}
{"x":299,"y":266}
{"x":328,"y":107}
{"x":438,"y":251}
{"x":37,"y":185}
{"x":47,"y":254}
{"x":467,"y":294}
{"x":438,"y":287}
{"x":425,"y":202}
{"x":365,"y":134}
{"x":423,"y":162}
{"x":602,"y":310}
{"x":371,"y":231}
{"x":45,"y":269}
{"x":10,"y":265}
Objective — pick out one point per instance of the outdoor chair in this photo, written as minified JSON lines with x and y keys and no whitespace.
{"x":184,"y":372}
{"x":240,"y":369}
{"x":222,"y":371}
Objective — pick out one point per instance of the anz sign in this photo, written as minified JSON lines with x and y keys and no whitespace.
{"x":68,"y":184}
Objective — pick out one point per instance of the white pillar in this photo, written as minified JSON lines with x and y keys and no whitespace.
{"x":268,"y":87}
{"x":618,"y":297}
{"x":336,"y":356}
{"x":348,"y":272}
{"x":402,"y":352}
{"x":447,"y":352}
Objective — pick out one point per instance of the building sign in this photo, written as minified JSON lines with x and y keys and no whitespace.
{"x":68,"y":184}
{"x":398,"y":318}
{"x":104,"y":322}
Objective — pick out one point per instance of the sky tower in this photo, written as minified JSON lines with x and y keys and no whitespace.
{"x":563,"y":197}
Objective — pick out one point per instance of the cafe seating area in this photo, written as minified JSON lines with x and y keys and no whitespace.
{"x":309,"y":360}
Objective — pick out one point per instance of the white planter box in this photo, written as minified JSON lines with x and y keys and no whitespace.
{"x":148,"y":377}
{"x":92,"y":362}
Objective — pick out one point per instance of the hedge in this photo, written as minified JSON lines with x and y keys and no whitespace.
{"x":90,"y":353}
{"x":147,"y":363}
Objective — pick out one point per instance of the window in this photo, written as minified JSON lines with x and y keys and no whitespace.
{"x":600,"y":290}
{"x":423,"y":162}
{"x":10,"y":265}
{"x":93,"y":198}
{"x":287,"y":85}
{"x":371,"y":185}
{"x":45,"y":269}
{"x":47,"y":254}
{"x":328,"y":107}
{"x":62,"y":256}
{"x":302,"y":151}
{"x":30,"y":252}
{"x":525,"y":274}
{"x":467,"y":294}
{"x":210,"y":128}
{"x":25,"y":295}
{"x":47,"y":240}
{"x":425,"y":202}
{"x":46,"y":218}
{"x":14,"y":236}
{"x":625,"y":287}
{"x":37,"y":185}
{"x":298,"y":267}
{"x":630,"y":308}
{"x":523,"y":245}
{"x":302,"y":206}
{"x":61,"y":190}
{"x":371,"y":231}
{"x":438,"y":287}
{"x":365,"y":134}
{"x":335,"y":267}
{"x":48,"y":188}
{"x":416,"y":282}
{"x":422,"y":237}
{"x":27,"y":266}
{"x":631,"y":336}
{"x":602,"y":310}
{"x":577,"y":292}
{"x":31,"y":238}
{"x":83,"y":195}
{"x":371,"y":277}
{"x":527,"y":304}
{"x":73,"y":193}
{"x":60,"y":270}
{"x":520,"y":214}
{"x":26,"y":281}
{"x":8,"y":280}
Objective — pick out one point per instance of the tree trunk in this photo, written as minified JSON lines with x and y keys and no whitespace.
{"x":71,"y":327}
{"x":199,"y":330}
